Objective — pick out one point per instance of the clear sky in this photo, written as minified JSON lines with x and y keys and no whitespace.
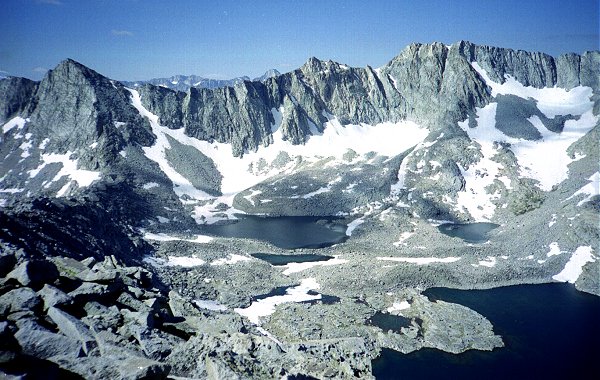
{"x":143,"y":39}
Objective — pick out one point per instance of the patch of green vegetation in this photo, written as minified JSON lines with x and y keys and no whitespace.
{"x":528,"y":197}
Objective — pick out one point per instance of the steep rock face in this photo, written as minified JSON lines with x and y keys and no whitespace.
{"x":298,"y":97}
{"x":239,"y":115}
{"x":535,"y":69}
{"x":567,"y":70}
{"x":431,"y":84}
{"x":531,"y":69}
{"x":165,"y":103}
{"x":15,"y":96}
{"x":354,"y":95}
{"x":76,"y":107}
{"x":589,"y":75}
{"x":434,"y":83}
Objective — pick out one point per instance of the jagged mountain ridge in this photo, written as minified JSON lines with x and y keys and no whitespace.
{"x":90,"y":121}
{"x":404,"y":89}
{"x":185,"y":82}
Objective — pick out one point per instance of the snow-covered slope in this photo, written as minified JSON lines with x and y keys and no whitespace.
{"x":545,"y":159}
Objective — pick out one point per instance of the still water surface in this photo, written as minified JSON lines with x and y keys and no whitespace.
{"x":287,"y":232}
{"x":469,"y":232}
{"x":551,"y":331}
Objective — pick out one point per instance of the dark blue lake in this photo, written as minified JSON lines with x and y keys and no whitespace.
{"x":550,"y":331}
{"x":469,"y":232}
{"x":287,"y":232}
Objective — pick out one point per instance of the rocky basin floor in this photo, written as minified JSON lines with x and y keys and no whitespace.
{"x":105,"y":319}
{"x":197,"y":306}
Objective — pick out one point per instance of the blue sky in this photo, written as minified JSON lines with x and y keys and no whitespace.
{"x":142,"y":39}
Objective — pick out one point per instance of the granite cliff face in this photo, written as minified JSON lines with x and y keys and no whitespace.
{"x":105,"y":191}
{"x":430,"y":84}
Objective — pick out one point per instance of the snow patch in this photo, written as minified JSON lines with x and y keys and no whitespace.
{"x":43,"y":144}
{"x":16,"y":122}
{"x":299,"y":267}
{"x":250,"y":197}
{"x":81,"y":177}
{"x":232,"y":259}
{"x":475,"y":198}
{"x":175,"y":261}
{"x":398,"y":306}
{"x":574,"y":266}
{"x":162,"y":219}
{"x":403,"y":236}
{"x":554,"y":250}
{"x":25,"y":146}
{"x":210,"y":305}
{"x":551,"y":101}
{"x":182,"y":187}
{"x":320,"y":190}
{"x":545,"y":160}
{"x":490,"y":262}
{"x":420,"y":260}
{"x":353,"y":224}
{"x":402,"y":171}
{"x":266,"y":306}
{"x":150,"y":185}
{"x":186,"y":262}
{"x":200,"y":239}
{"x":11,"y":190}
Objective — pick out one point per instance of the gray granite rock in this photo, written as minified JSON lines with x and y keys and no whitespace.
{"x":53,"y":296}
{"x":73,"y":328}
{"x":75,"y":106}
{"x":20,"y":299}
{"x":43,"y":344}
{"x":15,"y":96}
{"x":34,"y":273}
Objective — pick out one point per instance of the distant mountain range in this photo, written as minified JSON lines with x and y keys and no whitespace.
{"x":184,"y":82}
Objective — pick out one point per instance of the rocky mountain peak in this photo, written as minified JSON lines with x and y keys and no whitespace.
{"x":72,"y":71}
{"x":312,"y":64}
{"x":271,"y":73}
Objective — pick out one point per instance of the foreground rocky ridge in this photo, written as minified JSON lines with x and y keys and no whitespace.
{"x":102,"y":319}
{"x":104,"y":191}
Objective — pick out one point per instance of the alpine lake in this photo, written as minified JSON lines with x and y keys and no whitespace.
{"x":539,"y":324}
